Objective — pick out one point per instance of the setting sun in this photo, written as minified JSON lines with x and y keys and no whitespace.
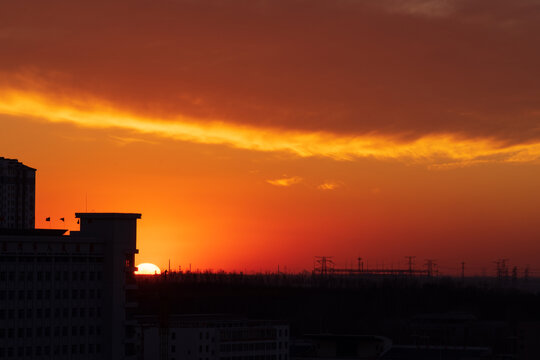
{"x":147,"y":269}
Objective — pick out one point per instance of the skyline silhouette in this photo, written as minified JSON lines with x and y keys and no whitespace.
{"x":266,"y":133}
{"x":445,"y":268}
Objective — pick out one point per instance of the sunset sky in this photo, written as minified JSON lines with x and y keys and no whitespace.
{"x":254,"y":133}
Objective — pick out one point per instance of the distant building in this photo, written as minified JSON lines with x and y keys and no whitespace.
{"x":339,"y":347}
{"x":211,"y":337}
{"x":415,"y":352}
{"x":69,"y":297}
{"x":17,"y":195}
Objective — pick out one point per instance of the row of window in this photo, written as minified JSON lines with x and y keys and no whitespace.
{"x":46,"y":313}
{"x":61,"y":255}
{"x":252,"y":347}
{"x":74,"y":294}
{"x":246,"y":334}
{"x":48,"y":275}
{"x":18,"y":352}
{"x":47,"y":331}
{"x":254,"y":357}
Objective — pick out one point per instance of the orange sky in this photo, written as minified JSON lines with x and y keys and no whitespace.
{"x":251,"y":134}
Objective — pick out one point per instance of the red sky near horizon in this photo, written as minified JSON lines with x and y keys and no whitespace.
{"x":252,"y":134}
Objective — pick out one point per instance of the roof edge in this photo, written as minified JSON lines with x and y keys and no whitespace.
{"x":108,"y":215}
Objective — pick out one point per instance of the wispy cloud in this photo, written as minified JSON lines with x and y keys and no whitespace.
{"x":286,"y":181}
{"x":125,"y":140}
{"x":328,"y":186}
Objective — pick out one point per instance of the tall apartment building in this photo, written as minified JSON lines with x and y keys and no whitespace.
{"x":17,"y":195}
{"x":69,"y":296}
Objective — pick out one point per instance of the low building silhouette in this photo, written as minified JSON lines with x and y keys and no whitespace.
{"x":212,"y":337}
{"x":337,"y":347}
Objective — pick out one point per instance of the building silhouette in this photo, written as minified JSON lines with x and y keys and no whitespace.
{"x":69,"y":296}
{"x":17,"y":195}
{"x":212,"y":337}
{"x":64,"y":296}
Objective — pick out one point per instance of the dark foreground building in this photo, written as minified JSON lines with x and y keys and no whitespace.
{"x":69,"y":297}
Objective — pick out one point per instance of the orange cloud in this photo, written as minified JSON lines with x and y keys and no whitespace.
{"x":287,"y":181}
{"x":328,"y":186}
{"x":446,"y":149}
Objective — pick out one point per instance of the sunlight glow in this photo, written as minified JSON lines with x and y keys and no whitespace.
{"x":147,"y":269}
{"x":437,"y":151}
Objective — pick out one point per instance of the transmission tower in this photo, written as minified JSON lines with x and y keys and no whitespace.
{"x":324,"y":264}
{"x":502,"y":268}
{"x":430,"y":265}
{"x":411,"y":263}
{"x":514,"y":275}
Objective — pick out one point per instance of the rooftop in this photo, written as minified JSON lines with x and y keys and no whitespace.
{"x":6,"y":161}
{"x":107,"y":215}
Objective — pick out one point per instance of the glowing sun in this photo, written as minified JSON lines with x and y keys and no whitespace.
{"x":147,"y":269}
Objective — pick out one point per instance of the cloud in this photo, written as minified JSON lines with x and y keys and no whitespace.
{"x":287,"y":181}
{"x":430,"y":150}
{"x":429,"y":8}
{"x":333,"y":78}
{"x":328,"y":186}
{"x":125,"y":140}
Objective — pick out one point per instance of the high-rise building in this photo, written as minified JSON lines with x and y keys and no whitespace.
{"x":69,"y":296}
{"x":17,"y":195}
